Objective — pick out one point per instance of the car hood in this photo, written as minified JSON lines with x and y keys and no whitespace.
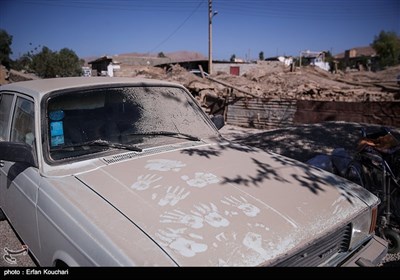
{"x":226,"y":204}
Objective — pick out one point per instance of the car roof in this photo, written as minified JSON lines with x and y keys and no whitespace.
{"x":38,"y":88}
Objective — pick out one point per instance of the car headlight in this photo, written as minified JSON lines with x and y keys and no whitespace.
{"x":362,"y":227}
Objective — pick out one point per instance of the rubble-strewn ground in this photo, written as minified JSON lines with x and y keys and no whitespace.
{"x":274,"y":80}
{"x":270,"y":79}
{"x":304,"y":141}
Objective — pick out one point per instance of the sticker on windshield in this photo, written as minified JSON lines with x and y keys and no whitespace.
{"x":56,"y":115}
{"x":56,"y":133}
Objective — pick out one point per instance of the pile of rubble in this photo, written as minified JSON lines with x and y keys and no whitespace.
{"x":276,"y":81}
{"x":12,"y":76}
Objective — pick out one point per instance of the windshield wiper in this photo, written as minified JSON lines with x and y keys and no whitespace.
{"x":168,"y":133}
{"x":100,"y":142}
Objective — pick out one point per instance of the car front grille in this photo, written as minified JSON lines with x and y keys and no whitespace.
{"x":321,"y":251}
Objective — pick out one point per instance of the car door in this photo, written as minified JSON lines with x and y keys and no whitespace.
{"x":19,"y":183}
{"x":6,"y":104}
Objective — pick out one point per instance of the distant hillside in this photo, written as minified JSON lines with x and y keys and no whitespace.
{"x":178,"y":55}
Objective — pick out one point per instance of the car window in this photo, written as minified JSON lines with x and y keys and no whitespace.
{"x":23,"y":124}
{"x":126,"y":115}
{"x":5,"y":108}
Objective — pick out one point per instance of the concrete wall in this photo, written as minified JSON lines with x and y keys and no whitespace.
{"x":225,"y":67}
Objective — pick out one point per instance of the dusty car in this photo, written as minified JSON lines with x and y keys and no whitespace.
{"x":100,"y":171}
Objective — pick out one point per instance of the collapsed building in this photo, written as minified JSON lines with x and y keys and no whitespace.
{"x":268,"y":94}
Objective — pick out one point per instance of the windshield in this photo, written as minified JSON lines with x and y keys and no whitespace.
{"x":132,"y":118}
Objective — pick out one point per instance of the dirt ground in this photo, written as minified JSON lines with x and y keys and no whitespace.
{"x":302,"y":142}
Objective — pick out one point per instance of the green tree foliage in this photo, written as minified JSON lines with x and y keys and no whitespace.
{"x":50,"y":64}
{"x":261,"y":56}
{"x":387,"y":46}
{"x":44,"y":63}
{"x":233,"y":57}
{"x":5,"y":48}
{"x":24,"y":62}
{"x":68,"y":63}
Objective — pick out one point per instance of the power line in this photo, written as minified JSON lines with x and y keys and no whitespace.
{"x":302,"y":9}
{"x":177,"y":29}
{"x":338,"y":10}
{"x":129,"y":5}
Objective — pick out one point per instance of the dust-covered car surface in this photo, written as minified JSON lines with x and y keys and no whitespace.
{"x":131,"y":172}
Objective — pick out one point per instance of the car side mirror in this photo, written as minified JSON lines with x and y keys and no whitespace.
{"x":17,"y":152}
{"x":218,"y":121}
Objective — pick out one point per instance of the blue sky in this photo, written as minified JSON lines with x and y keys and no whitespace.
{"x":241,"y":27}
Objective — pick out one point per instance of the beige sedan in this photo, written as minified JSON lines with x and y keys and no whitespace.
{"x":126,"y":172}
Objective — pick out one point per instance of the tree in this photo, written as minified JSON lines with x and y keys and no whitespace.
{"x":233,"y":58}
{"x":161,"y":54}
{"x":261,"y":56}
{"x":50,"y":64}
{"x":44,"y":63}
{"x":5,"y":48}
{"x":24,"y":62}
{"x":68,"y":63}
{"x":387,"y":46}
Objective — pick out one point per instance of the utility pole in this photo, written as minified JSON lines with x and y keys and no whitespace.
{"x":210,"y":16}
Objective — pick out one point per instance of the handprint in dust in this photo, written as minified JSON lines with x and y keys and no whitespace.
{"x":145,"y":181}
{"x":254,"y":242}
{"x":173,"y":195}
{"x":186,"y":247}
{"x":248,"y":209}
{"x":179,"y":217}
{"x":201,"y":179}
{"x":210,"y":215}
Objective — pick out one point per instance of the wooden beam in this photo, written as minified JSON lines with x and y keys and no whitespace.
{"x":232,"y":86}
